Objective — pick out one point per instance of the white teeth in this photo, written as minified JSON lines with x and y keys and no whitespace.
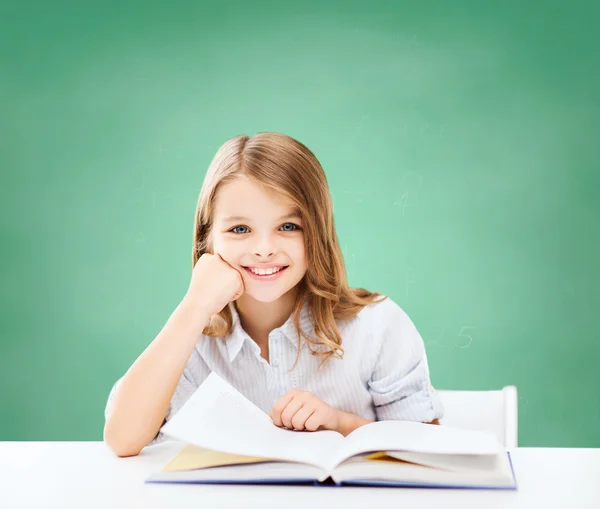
{"x":264,"y":272}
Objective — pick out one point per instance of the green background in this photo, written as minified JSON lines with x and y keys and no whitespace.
{"x":460,"y":143}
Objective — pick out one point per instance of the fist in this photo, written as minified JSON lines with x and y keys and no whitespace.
{"x":302,"y":410}
{"x":214,"y":283}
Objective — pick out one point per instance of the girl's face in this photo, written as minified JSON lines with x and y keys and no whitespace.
{"x":261,"y":236}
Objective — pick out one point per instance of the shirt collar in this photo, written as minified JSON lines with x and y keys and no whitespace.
{"x":238,"y":335}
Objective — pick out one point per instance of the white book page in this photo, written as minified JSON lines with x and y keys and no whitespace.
{"x":218,"y":417}
{"x":415,"y":437}
{"x":254,"y":472}
{"x":453,"y":462}
{"x":500,"y":476}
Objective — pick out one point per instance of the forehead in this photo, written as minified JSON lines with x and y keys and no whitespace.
{"x":244,"y":197}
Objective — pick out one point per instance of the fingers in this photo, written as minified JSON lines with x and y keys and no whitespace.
{"x":290,"y":411}
{"x":313,"y":422}
{"x":242,"y":286}
{"x":240,"y":280}
{"x":299,"y":419}
{"x":301,"y":410}
{"x":279,"y":405}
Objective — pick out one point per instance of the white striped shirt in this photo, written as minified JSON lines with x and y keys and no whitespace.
{"x":383,"y":375}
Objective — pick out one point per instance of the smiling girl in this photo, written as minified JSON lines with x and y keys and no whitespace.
{"x":269,"y":309}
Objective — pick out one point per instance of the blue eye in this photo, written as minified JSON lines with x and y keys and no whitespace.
{"x":286,"y":227}
{"x":294,"y":227}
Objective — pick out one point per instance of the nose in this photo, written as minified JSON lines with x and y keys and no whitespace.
{"x":264,"y":247}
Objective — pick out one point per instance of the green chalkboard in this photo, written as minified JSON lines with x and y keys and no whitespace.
{"x":460,"y":144}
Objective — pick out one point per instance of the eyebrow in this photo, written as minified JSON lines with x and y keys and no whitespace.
{"x":293,"y":215}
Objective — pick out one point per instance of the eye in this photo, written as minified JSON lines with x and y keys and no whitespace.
{"x":238,"y":232}
{"x":289,"y":227}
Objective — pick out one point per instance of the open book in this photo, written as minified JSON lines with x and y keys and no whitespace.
{"x":230,"y":440}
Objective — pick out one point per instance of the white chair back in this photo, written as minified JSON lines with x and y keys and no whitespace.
{"x":494,"y":411}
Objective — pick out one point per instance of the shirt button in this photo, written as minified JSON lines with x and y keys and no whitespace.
{"x":275,"y":363}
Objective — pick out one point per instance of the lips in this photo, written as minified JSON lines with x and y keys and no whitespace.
{"x":265,"y":267}
{"x":266,"y":277}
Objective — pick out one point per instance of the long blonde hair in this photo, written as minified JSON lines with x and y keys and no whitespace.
{"x":284,"y":165}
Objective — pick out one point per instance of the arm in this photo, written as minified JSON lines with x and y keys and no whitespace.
{"x":144,"y":393}
{"x":302,"y":410}
{"x":349,"y":422}
{"x":400,"y":383}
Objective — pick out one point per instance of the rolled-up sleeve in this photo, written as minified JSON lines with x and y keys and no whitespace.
{"x":185,"y":388}
{"x":400,"y":385}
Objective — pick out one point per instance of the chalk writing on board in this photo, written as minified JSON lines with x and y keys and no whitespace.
{"x":437,"y":335}
{"x":410,"y":186}
{"x":350,"y":266}
{"x":404,"y":201}
{"x":421,"y":129}
{"x":467,"y":339}
{"x":361,"y":123}
{"x":410,"y":40}
{"x":414,"y":41}
{"x":438,"y":131}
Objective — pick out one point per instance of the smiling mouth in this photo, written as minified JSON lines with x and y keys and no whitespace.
{"x":258,"y":271}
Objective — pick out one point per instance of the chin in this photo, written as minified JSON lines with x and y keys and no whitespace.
{"x":265,"y":296}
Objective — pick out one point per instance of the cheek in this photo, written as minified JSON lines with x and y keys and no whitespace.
{"x":231,"y":252}
{"x":298,"y":253}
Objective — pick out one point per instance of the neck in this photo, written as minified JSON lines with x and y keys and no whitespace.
{"x":258,"y":319}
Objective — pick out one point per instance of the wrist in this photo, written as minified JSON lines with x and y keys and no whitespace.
{"x":347,"y":422}
{"x":199,"y":314}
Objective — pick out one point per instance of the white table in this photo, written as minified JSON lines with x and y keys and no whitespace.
{"x":88,"y":474}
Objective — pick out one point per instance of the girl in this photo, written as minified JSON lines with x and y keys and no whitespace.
{"x":269,"y":309}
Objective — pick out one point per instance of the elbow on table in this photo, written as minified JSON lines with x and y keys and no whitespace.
{"x":122,"y":449}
